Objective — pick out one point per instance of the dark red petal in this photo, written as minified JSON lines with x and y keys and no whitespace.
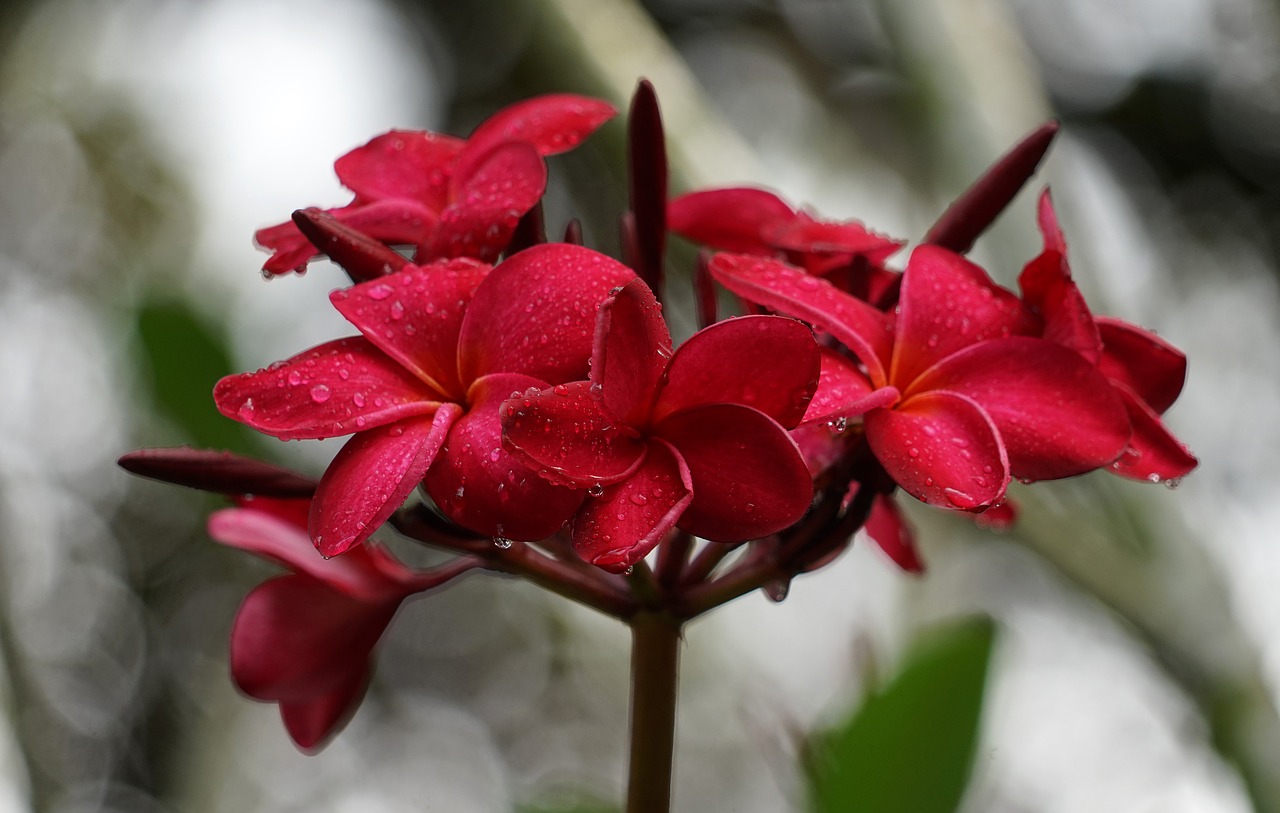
{"x":552,"y":123}
{"x":485,"y":488}
{"x":889,"y":529}
{"x":361,"y":256}
{"x":1047,"y":219}
{"x":790,"y":291}
{"x":630,"y":352}
{"x":728,"y":219}
{"x":1140,"y":360}
{"x":568,"y":436}
{"x":219,"y":472}
{"x":536,"y":314}
{"x":942,"y":448}
{"x":1048,"y":289}
{"x":948,"y":303}
{"x":647,"y":182}
{"x":415,"y":316}
{"x":1057,"y":415}
{"x":749,"y":478}
{"x":829,"y":238}
{"x":334,"y":389}
{"x":311,"y":723}
{"x":371,"y":477}
{"x":844,"y":392}
{"x":408,"y":164}
{"x":771,"y":363}
{"x":487,"y":200}
{"x":395,"y":220}
{"x":1154,"y":454}
{"x":618,"y":528}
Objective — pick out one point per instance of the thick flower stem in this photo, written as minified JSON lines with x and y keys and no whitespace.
{"x":655,"y":655}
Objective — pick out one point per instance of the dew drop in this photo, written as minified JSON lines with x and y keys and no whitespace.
{"x":358,"y":399}
{"x":914,"y":452}
{"x":502,"y":543}
{"x":380,"y":291}
{"x":596,"y":490}
{"x":295,"y":377}
{"x":639,"y":499}
{"x":397,"y":310}
{"x":320,"y":393}
{"x":495,"y":455}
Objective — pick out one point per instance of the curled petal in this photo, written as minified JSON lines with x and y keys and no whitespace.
{"x":409,"y":164}
{"x":485,"y":488}
{"x":488,"y":199}
{"x":551,"y":124}
{"x":536,"y":312}
{"x":839,"y":242}
{"x":1048,"y":289}
{"x":568,"y":436}
{"x":790,"y":291}
{"x":415,"y":316}
{"x":618,"y":528}
{"x":770,"y":363}
{"x":1140,"y":360}
{"x":1057,"y":415}
{"x":334,"y":389}
{"x":312,"y":722}
{"x":728,"y":219}
{"x":1047,"y":220}
{"x":371,"y":476}
{"x":844,"y":391}
{"x":889,"y":529}
{"x":749,"y":477}
{"x":1154,"y":454}
{"x":631,"y":350}
{"x":942,"y":448}
{"x":219,"y":472}
{"x":394,"y":220}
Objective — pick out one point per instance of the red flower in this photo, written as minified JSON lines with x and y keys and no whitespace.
{"x":955,"y":398}
{"x":304,"y":640}
{"x":442,"y":346}
{"x":447,"y":196}
{"x":696,"y":439}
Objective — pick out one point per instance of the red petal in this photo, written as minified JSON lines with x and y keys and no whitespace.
{"x":552,"y":124}
{"x":948,"y":303}
{"x":770,"y":363}
{"x":1047,"y":219}
{"x":1048,"y":288}
{"x":620,"y":527}
{"x":893,"y":534}
{"x":536,"y":314}
{"x":728,"y":219}
{"x":788,"y":290}
{"x":395,"y":220}
{"x":219,"y":472}
{"x":832,"y":239}
{"x":485,"y":488}
{"x":408,"y":164}
{"x":749,"y":478}
{"x":942,"y":448}
{"x":844,"y":392}
{"x":312,"y":722}
{"x":361,"y":256}
{"x":334,"y":389}
{"x":1140,"y":360}
{"x":371,"y":477}
{"x":1057,"y":415}
{"x":415,"y":316}
{"x":488,"y":199}
{"x":630,"y":352}
{"x":1154,"y":454}
{"x":568,"y":436}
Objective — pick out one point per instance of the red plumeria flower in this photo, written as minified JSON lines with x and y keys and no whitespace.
{"x":442,"y":347}
{"x":1146,"y":371}
{"x":304,"y":640}
{"x":697,"y":439}
{"x":954,"y":396}
{"x":448,"y":196}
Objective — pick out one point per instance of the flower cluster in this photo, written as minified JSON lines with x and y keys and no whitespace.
{"x":533,"y":392}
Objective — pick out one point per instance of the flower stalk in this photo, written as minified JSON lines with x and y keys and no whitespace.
{"x":655,"y":661}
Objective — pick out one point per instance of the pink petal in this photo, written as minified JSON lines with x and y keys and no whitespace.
{"x":1057,"y":415}
{"x":1140,"y":360}
{"x":999,"y":517}
{"x":841,"y":240}
{"x":415,"y":316}
{"x":1154,"y":454}
{"x":487,"y":489}
{"x":728,"y":219}
{"x":844,"y":392}
{"x":770,"y":363}
{"x":618,"y":528}
{"x":371,"y":477}
{"x":488,"y":198}
{"x":334,"y":389}
{"x":749,"y":478}
{"x":408,"y":164}
{"x":893,"y":534}
{"x":568,"y":436}
{"x":948,"y":303}
{"x":790,"y":291}
{"x":1048,"y":289}
{"x":536,"y":314}
{"x":312,"y":722}
{"x":552,"y":123}
{"x":942,"y":448}
{"x":630,"y":353}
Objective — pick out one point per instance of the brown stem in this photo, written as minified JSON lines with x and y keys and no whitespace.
{"x":655,"y":657}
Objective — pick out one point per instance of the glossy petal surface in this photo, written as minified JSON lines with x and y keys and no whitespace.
{"x":409,"y":164}
{"x":393,"y":221}
{"x":488,"y":199}
{"x":1048,"y":289}
{"x":893,"y":534}
{"x":728,"y":219}
{"x":1154,"y":454}
{"x":631,"y":350}
{"x":1140,"y":360}
{"x":312,"y":722}
{"x":551,"y":124}
{"x":838,"y":240}
{"x":844,"y":391}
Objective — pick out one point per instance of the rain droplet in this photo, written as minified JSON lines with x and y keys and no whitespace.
{"x":639,"y":499}
{"x":502,"y":543}
{"x":596,"y":490}
{"x":295,"y":377}
{"x":320,"y":393}
{"x":913,"y":451}
{"x":397,"y":310}
{"x":380,"y":291}
{"x":495,"y":455}
{"x":358,"y":399}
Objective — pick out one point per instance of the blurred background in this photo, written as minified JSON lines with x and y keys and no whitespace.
{"x":141,"y":144}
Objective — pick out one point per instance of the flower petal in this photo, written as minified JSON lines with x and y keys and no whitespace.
{"x":415,"y":316}
{"x":487,"y":489}
{"x":630,"y":352}
{"x":1048,"y":289}
{"x":219,"y":472}
{"x":489,"y":197}
{"x":395,"y":220}
{"x":790,"y":291}
{"x":844,"y":392}
{"x":1140,"y":360}
{"x":312,"y":722}
{"x":334,"y":389}
{"x":728,"y":219}
{"x":410,"y":164}
{"x":942,"y":448}
{"x":536,"y":312}
{"x":620,"y":527}
{"x":361,"y":256}
{"x":891,"y":532}
{"x":552,"y":123}
{"x":1154,"y":454}
{"x":836,"y":241}
{"x":371,"y":477}
{"x":749,"y":478}
{"x":771,"y":363}
{"x":568,"y":436}
{"x":1057,"y":415}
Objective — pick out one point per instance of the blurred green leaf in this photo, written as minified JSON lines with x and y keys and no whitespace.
{"x":572,"y":807}
{"x":910,"y":747}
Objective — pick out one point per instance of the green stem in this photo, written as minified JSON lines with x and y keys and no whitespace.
{"x":655,"y":656}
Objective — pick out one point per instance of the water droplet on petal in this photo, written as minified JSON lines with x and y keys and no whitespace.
{"x":295,"y":377}
{"x":639,"y":499}
{"x":502,"y":543}
{"x":358,"y":399}
{"x":320,"y":393}
{"x":380,"y":291}
{"x":596,"y":490}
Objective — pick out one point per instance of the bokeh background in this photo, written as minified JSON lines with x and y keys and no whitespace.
{"x":143,"y":141}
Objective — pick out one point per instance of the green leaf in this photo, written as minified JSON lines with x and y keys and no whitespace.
{"x":910,"y":747}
